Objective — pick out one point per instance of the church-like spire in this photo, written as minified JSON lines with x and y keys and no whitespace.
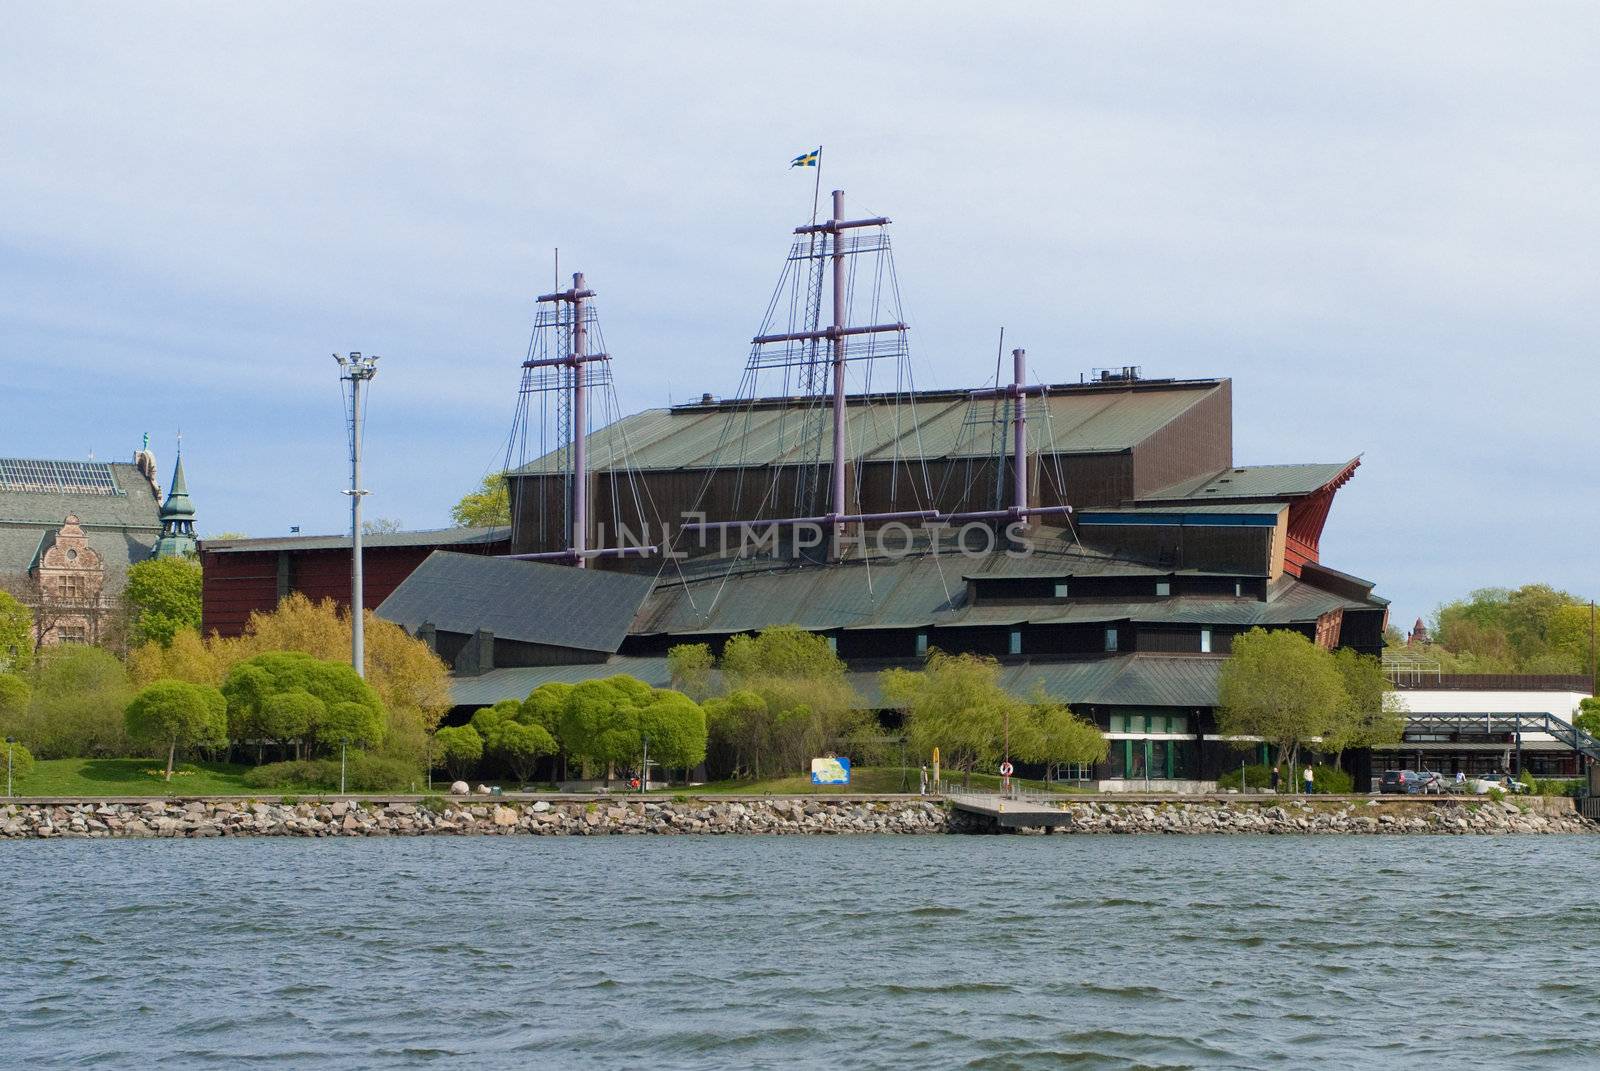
{"x":177,"y":516}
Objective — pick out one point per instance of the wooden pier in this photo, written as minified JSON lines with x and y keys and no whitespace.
{"x":1009,"y":813}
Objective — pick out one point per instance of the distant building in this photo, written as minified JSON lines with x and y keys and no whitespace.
{"x":69,"y":530}
{"x":1419,"y":635}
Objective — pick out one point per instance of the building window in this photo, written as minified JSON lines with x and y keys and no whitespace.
{"x":1016,"y":641}
{"x":1205,"y":641}
{"x":1163,"y":587}
{"x":72,"y":634}
{"x":1111,"y":639}
{"x":1061,"y":591}
{"x":922,"y":644}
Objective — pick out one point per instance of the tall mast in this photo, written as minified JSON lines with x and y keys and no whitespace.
{"x":1019,"y":453}
{"x":838,"y":500}
{"x":578,"y":378}
{"x":357,"y":370}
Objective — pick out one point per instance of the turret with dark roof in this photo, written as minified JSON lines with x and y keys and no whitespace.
{"x":177,"y":517}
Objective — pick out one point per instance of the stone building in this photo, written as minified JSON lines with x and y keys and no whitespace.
{"x":69,"y":530}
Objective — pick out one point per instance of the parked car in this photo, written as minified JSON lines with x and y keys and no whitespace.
{"x":1411,"y":782}
{"x":1484,"y":783}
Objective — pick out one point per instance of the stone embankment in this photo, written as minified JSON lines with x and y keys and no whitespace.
{"x":436,"y":816}
{"x":357,"y":818}
{"x":1349,"y":816}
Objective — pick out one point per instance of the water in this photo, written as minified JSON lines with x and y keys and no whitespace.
{"x":751,"y":952}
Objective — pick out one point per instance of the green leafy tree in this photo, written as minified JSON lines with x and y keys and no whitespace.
{"x":520,"y":746}
{"x":809,"y":701}
{"x":601,"y":721}
{"x":1280,"y":687}
{"x":21,"y":761}
{"x":956,"y":703}
{"x":1587,"y":717}
{"x":289,"y":716}
{"x":690,"y":666}
{"x":545,"y":706}
{"x":77,"y":707}
{"x":16,"y":635}
{"x":253,"y":686}
{"x":676,"y":726}
{"x":163,"y":598}
{"x":178,"y":714}
{"x":1369,"y":714}
{"x":1052,"y":734}
{"x":739,"y":726}
{"x":460,"y":747}
{"x":14,"y":697}
{"x":489,"y":505}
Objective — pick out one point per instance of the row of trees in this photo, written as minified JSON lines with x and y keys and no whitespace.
{"x":1532,"y":629}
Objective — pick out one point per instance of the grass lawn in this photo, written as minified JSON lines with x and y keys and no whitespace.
{"x":866,"y":780}
{"x":132,"y":777}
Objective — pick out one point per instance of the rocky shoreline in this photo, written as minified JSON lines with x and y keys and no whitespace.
{"x":450,"y":816}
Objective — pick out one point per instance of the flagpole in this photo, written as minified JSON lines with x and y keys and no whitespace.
{"x":816,"y":192}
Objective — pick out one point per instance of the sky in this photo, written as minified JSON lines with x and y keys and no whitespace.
{"x":1378,"y":219}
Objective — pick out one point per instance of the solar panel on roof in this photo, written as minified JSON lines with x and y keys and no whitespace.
{"x":57,"y":477}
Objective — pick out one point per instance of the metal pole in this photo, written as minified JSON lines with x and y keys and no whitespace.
{"x":838,"y":370}
{"x":10,"y":744}
{"x":357,"y":604}
{"x":342,"y":746}
{"x":357,"y":369}
{"x":1019,"y":478}
{"x":644,"y":778}
{"x":580,"y":416}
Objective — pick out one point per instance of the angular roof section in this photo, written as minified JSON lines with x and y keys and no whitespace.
{"x":432,"y":537}
{"x":1072,"y":418}
{"x":530,"y":602}
{"x":1115,"y":680}
{"x":928,"y":591}
{"x":178,"y":506}
{"x":100,"y":494}
{"x":1277,"y":482}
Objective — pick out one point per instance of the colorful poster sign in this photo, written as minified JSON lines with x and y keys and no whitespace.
{"x":830,"y":771}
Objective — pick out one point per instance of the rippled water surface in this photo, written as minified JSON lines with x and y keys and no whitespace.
{"x":880,"y":952}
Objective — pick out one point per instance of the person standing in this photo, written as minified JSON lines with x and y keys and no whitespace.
{"x":1311,"y":780}
{"x":1277,"y":778}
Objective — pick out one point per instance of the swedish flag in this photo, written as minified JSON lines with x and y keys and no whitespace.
{"x":806,"y":159}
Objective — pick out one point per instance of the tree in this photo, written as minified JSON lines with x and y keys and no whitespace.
{"x":76,"y":710}
{"x":489,"y":505}
{"x":810,"y":704}
{"x":1280,"y":687}
{"x":413,"y":685}
{"x":14,"y":697}
{"x":287,"y":692}
{"x":676,"y":727}
{"x":690,"y":666}
{"x":380,"y":526}
{"x":179,"y":714}
{"x":1587,"y":717}
{"x":1368,"y":714}
{"x":460,"y":747}
{"x":601,"y":721}
{"x":186,"y":657}
{"x":21,"y":761}
{"x":739,"y":725}
{"x":1052,"y":734}
{"x":520,"y":746}
{"x":163,"y":599}
{"x":956,"y":703}
{"x":16,"y":635}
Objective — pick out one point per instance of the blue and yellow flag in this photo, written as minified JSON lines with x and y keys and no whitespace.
{"x":806,"y":159}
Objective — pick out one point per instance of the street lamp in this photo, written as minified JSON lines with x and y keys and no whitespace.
{"x":343,"y":742}
{"x":644,"y":778}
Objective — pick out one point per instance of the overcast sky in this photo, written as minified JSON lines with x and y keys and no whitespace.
{"x":1379,"y":220}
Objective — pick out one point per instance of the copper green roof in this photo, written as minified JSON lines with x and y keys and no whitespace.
{"x":1073,"y":418}
{"x":1142,"y":680}
{"x":178,"y":507}
{"x":1254,"y":481}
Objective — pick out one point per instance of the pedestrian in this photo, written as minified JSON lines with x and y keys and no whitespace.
{"x":922,"y":788}
{"x":1460,"y":776}
{"x":1311,"y":780}
{"x":1277,"y":778}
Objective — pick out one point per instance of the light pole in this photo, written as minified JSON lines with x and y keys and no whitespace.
{"x":11,"y":742}
{"x":356,"y":370}
{"x":644,"y":778}
{"x":427,"y":758}
{"x":344,"y":742}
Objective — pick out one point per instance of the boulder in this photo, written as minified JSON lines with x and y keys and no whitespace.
{"x":460,"y":788}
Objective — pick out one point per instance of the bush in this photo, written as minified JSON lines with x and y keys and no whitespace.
{"x":21,"y":762}
{"x":1558,"y":786}
{"x":363,"y":773}
{"x":1330,"y":779}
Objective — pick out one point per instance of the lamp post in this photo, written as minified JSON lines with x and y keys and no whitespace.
{"x":11,"y":742}
{"x":344,"y":741}
{"x":427,"y":758}
{"x":357,"y":370}
{"x":644,"y":778}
